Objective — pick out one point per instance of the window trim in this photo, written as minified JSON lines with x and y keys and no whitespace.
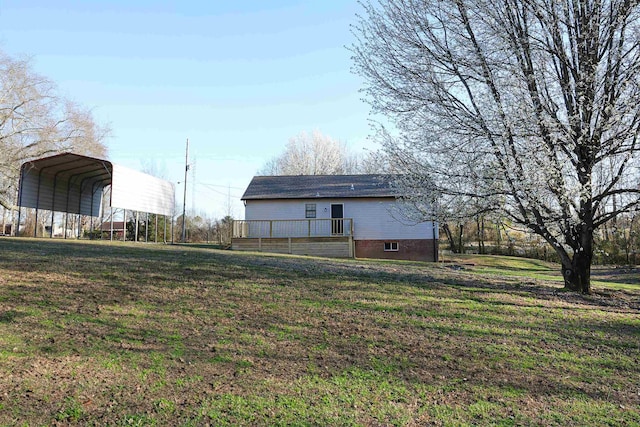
{"x":308,"y":212}
{"x":391,"y":247}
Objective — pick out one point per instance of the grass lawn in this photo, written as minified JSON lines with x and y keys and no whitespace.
{"x":602,"y":278}
{"x":135,"y":335}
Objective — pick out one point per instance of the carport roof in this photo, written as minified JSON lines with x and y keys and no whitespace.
{"x":73,"y":183}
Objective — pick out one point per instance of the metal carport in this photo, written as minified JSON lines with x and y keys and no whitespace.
{"x":74,"y":184}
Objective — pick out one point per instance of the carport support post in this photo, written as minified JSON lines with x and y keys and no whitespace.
{"x":35,"y":225}
{"x":101,"y":215}
{"x":135,"y":238}
{"x":53,"y":205}
{"x":91,"y":220}
{"x":124,"y":226}
{"x":111,"y":231}
{"x":17,"y":230}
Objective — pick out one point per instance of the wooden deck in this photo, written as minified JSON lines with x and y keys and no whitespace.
{"x":317,"y":237}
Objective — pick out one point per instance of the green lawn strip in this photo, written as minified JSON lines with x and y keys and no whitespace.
{"x":537,"y":270}
{"x":161,"y":335}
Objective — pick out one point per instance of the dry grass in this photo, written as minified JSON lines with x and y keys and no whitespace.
{"x":96,"y":334}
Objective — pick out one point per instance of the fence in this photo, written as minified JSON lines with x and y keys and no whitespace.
{"x":342,"y":227}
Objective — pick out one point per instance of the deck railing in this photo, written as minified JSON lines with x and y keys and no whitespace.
{"x":293,"y":228}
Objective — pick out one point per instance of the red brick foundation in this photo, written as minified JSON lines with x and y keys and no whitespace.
{"x":409,"y":249}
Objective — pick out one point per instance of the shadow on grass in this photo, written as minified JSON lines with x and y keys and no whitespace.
{"x":146,"y":260}
{"x":294,"y":316}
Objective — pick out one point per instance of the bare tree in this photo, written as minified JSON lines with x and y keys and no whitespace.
{"x":530,"y":102}
{"x":35,"y":122}
{"x":371,"y":162}
{"x":312,"y":154}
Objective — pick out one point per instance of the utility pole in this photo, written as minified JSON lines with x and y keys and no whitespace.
{"x":184,"y":200}
{"x":229,"y":200}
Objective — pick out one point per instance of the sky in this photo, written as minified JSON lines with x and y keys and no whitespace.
{"x":235,"y":78}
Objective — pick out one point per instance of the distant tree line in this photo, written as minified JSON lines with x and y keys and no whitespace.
{"x":318,"y":154}
{"x":203,"y":229}
{"x":618,"y":243}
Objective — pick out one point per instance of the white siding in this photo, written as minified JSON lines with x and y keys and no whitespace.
{"x":376,"y":220}
{"x":285,"y":209}
{"x":373,"y":219}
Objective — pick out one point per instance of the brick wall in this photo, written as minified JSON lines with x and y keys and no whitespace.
{"x":408,"y":249}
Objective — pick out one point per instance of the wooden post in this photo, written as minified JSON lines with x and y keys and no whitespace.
{"x":352,"y":243}
{"x":352,"y":252}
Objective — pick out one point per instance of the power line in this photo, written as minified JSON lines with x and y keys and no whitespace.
{"x":221,"y":186}
{"x":219,"y":192}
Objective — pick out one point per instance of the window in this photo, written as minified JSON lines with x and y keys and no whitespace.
{"x":310,"y":210}
{"x":390,"y":246}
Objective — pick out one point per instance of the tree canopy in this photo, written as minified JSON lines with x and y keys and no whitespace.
{"x":318,"y":154}
{"x":526,"y":107}
{"x":310,"y":154}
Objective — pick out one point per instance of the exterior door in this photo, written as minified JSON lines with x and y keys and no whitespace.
{"x":337,"y":222}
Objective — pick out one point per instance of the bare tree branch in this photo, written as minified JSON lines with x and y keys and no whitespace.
{"x":35,"y":122}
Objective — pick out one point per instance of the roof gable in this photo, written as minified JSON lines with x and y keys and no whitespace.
{"x":319,"y":186}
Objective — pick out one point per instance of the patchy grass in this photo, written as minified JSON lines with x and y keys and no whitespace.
{"x":121,"y":334}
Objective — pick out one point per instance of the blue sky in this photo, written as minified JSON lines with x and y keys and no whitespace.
{"x":238,"y":78}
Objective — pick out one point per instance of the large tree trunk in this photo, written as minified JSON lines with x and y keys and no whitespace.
{"x":577,"y":275}
{"x":577,"y":270}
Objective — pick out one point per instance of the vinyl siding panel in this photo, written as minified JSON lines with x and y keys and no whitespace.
{"x":373,"y":219}
{"x":285,"y":209}
{"x":378,"y":219}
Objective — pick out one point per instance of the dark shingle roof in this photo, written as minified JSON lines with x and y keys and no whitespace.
{"x":318,"y":186}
